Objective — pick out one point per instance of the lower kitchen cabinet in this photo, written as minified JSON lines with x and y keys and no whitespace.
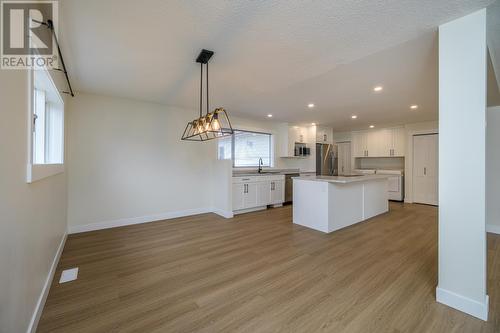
{"x":277,"y":192}
{"x":257,"y":192}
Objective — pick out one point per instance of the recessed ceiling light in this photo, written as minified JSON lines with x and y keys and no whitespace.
{"x":310,"y":105}
{"x":378,"y":88}
{"x":295,"y":127}
{"x":354,"y":116}
{"x":372,"y":126}
{"x":269,"y":116}
{"x":313,"y":124}
{"x":414,"y":107}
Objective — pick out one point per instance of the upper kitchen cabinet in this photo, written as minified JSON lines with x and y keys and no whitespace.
{"x":289,"y":136}
{"x":324,"y":134}
{"x":389,"y":142}
{"x":366,"y":144}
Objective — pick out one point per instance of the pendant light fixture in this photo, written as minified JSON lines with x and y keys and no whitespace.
{"x":213,"y":124}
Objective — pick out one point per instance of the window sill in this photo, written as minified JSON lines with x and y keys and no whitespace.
{"x":37,"y":172}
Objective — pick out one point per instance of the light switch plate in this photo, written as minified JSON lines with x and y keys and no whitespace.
{"x":69,"y":275}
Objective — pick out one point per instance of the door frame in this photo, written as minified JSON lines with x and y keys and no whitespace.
{"x":409,"y":161}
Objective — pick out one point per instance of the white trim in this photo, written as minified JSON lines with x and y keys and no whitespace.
{"x":136,"y":220}
{"x":46,"y":287}
{"x":492,"y":228}
{"x":223,"y":213}
{"x":36,"y":172}
{"x":464,"y":304}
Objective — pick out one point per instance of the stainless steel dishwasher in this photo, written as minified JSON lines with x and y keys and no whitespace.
{"x":289,"y":186}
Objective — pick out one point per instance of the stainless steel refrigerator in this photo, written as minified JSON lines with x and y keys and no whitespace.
{"x":327,"y":162}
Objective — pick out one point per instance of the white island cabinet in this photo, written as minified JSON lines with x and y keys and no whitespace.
{"x":331,"y":203}
{"x":252,"y":193}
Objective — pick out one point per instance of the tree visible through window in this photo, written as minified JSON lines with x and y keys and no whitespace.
{"x":247,"y":148}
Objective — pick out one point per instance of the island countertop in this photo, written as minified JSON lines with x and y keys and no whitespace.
{"x":342,"y":179}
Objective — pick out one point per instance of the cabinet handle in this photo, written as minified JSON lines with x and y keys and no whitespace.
{"x":245,"y":188}
{"x":425,"y":171}
{"x":246,"y":179}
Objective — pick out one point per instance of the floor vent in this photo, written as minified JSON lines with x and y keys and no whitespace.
{"x":69,"y":275}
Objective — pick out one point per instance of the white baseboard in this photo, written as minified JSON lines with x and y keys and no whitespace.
{"x":223,"y":213}
{"x":249,"y":210}
{"x":464,"y":304}
{"x":492,"y":228}
{"x":46,"y":287}
{"x":135,"y":220}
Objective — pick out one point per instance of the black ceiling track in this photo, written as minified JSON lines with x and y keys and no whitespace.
{"x":50,"y":25}
{"x":204,"y":56}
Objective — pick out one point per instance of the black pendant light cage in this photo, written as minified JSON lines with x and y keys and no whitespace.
{"x":213,"y":124}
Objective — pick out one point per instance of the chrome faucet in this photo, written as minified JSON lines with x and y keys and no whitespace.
{"x":260,"y":164}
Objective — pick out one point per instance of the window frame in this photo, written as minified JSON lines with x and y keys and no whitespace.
{"x":35,"y":172}
{"x":233,"y":159}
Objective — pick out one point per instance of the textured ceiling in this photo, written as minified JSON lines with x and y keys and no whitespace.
{"x":270,"y":56}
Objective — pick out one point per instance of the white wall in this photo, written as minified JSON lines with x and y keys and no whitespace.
{"x":128,"y":164}
{"x":462,"y":126}
{"x":32,"y":216}
{"x":492,"y":169}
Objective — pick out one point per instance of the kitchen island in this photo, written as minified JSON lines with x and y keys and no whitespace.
{"x":329,"y":203}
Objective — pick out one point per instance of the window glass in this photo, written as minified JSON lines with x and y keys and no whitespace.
{"x":247,"y":148}
{"x":48,"y":121}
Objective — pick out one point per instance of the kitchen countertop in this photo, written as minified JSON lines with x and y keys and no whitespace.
{"x":342,"y":179}
{"x":265,"y":172}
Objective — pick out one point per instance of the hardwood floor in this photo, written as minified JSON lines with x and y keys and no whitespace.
{"x":260,"y":273}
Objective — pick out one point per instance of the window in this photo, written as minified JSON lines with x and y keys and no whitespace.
{"x":46,"y":133}
{"x":246,"y":147}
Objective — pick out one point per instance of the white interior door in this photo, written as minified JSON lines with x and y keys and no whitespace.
{"x":425,"y":169}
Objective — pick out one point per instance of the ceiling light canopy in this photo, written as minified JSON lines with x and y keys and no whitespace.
{"x":378,"y":88}
{"x":213,"y":124}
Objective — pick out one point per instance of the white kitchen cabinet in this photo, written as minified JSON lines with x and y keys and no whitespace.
{"x":389,"y":142}
{"x":277,"y":192}
{"x":398,"y":141}
{"x":263,"y":193}
{"x":289,"y":135}
{"x":324,"y":134}
{"x":257,"y":192}
{"x":359,"y":144}
{"x":239,"y":191}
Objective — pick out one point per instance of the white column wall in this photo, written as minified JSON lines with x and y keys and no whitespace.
{"x":462,"y":130}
